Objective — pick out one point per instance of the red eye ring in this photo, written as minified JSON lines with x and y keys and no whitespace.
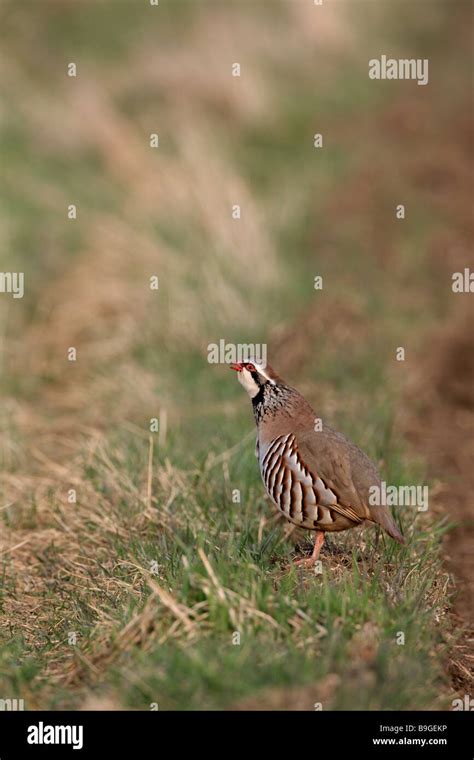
{"x":250,"y":367}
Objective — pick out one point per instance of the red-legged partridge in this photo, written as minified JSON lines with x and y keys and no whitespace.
{"x":317,"y":478}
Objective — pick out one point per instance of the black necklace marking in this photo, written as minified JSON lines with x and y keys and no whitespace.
{"x":269,"y":399}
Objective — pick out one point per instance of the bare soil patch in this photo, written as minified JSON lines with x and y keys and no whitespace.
{"x":442,"y":427}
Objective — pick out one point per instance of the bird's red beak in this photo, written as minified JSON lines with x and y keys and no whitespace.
{"x":237,"y":367}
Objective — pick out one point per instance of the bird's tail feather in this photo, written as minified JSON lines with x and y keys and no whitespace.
{"x":383,"y":517}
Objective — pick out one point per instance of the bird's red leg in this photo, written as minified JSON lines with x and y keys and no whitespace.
{"x":311,"y":561}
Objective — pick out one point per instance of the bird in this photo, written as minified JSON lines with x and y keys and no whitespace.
{"x":316,"y":477}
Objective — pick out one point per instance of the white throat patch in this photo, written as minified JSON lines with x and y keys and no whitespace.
{"x":247,"y":381}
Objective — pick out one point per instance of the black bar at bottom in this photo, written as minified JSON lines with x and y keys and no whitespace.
{"x":126,"y":734}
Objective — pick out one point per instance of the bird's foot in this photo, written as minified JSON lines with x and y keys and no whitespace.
{"x":311,"y":561}
{"x":306,"y":562}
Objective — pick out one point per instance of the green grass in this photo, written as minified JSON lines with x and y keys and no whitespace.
{"x":295,"y":627}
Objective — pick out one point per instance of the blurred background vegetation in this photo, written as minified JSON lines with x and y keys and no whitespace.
{"x":162,"y":632}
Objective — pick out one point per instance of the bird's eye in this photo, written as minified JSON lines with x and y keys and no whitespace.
{"x":250,"y":367}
